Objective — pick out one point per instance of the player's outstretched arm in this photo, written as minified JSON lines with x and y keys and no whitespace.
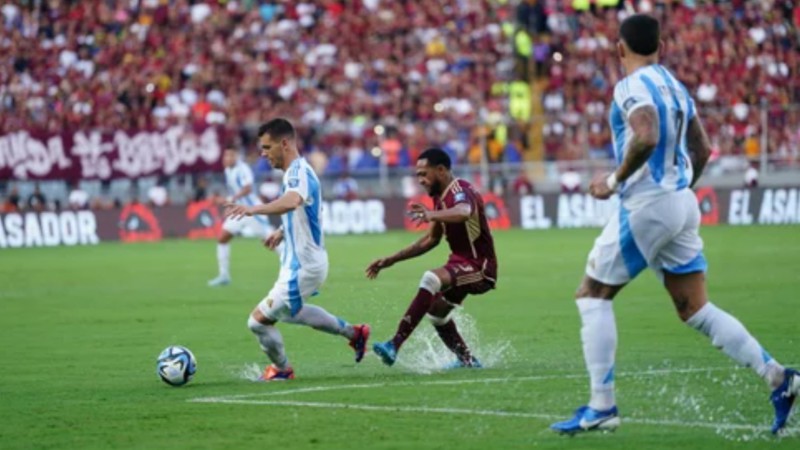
{"x":645,"y":126}
{"x":457,"y":214}
{"x":423,"y":245}
{"x":699,"y":147}
{"x":289,"y":201}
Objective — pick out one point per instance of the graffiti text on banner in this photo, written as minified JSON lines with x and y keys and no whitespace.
{"x":94,"y":155}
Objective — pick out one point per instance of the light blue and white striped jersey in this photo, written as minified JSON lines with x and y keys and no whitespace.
{"x":239,"y":176}
{"x":669,"y":168}
{"x":302,"y":228}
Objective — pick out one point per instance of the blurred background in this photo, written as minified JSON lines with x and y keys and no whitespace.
{"x":105,"y":102}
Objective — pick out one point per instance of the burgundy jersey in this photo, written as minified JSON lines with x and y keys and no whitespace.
{"x":471,"y":239}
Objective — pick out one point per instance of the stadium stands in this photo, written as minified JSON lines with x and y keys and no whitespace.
{"x":426,"y":71}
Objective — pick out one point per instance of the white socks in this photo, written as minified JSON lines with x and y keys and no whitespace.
{"x":319,"y":319}
{"x":729,"y":335}
{"x":224,"y":259}
{"x":271,"y":342}
{"x":599,"y":336}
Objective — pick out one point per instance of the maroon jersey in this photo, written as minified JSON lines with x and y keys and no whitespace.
{"x":471,"y":239}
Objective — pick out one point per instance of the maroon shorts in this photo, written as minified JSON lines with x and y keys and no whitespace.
{"x":469,"y":277}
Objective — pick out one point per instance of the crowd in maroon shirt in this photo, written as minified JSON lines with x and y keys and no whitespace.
{"x":733,"y":56}
{"x":423,"y":69}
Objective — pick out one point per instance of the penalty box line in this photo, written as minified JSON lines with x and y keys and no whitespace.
{"x":250,"y":399}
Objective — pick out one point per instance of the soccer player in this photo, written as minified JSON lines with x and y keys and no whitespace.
{"x":661,"y":149}
{"x":239,"y":181}
{"x":471,"y":269}
{"x":304,"y":260}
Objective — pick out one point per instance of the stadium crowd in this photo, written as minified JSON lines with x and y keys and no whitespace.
{"x":733,"y":56}
{"x":366,"y":77}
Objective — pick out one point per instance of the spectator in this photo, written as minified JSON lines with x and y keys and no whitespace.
{"x":158,"y":196}
{"x":37,"y":201}
{"x":11,"y":204}
{"x":570,"y":181}
{"x":269,"y":190}
{"x":78,"y":198}
{"x":345,"y":188}
{"x":751,"y":177}
{"x":522,"y":184}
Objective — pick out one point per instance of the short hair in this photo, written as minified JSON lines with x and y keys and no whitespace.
{"x":276,"y":128}
{"x":436,"y":157}
{"x":641,"y":33}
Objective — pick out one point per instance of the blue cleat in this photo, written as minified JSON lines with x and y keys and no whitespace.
{"x":588,"y":419}
{"x":783,"y":397}
{"x":386,"y":351}
{"x":474,"y":363}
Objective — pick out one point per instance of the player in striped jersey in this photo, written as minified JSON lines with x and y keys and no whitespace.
{"x":239,"y":182}
{"x":661,"y":149}
{"x":304,"y":260}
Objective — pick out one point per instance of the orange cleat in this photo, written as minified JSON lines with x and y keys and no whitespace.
{"x":359,"y":341}
{"x":273,"y":373}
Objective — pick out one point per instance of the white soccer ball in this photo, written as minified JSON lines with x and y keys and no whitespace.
{"x":176,"y":365}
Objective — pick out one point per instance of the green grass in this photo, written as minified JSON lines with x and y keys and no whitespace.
{"x":81,"y":328}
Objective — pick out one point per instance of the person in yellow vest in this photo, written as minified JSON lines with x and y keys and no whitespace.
{"x":519,"y":100}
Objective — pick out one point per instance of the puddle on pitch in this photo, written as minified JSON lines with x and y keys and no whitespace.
{"x":425,"y":353}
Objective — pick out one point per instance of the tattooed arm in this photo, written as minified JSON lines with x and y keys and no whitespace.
{"x":699,"y":147}
{"x":430,"y":240}
{"x":644,"y":123}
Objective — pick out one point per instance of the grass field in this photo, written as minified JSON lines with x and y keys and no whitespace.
{"x":81,"y":328}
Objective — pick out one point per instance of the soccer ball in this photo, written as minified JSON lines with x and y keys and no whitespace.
{"x":176,"y":365}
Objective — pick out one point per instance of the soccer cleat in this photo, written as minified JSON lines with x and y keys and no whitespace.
{"x":588,"y":419}
{"x":359,"y":341}
{"x":273,"y":373}
{"x":474,"y":363}
{"x":386,"y":351}
{"x":783,"y":398}
{"x":220,"y":281}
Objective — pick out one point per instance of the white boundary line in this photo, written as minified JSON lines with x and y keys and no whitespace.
{"x":471,"y":412}
{"x":336,"y":387}
{"x":249,"y":399}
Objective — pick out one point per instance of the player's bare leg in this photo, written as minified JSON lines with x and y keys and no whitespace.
{"x":441,"y":316}
{"x":599,"y":337}
{"x":688,"y":292}
{"x":223,"y":260}
{"x":432,"y":283}
{"x":271,"y":342}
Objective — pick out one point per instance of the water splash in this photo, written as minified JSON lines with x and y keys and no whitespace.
{"x":249,"y":372}
{"x":425,"y":353}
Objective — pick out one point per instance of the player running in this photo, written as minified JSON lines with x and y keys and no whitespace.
{"x":471,"y":269}
{"x":304,"y":260}
{"x":239,"y":181}
{"x":661,"y":149}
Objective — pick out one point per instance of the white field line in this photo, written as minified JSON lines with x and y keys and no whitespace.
{"x":249,"y":399}
{"x":472,"y":412}
{"x":336,"y":387}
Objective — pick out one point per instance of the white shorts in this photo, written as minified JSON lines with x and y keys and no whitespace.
{"x":286,"y":297}
{"x":663,"y":235}
{"x":252,"y":226}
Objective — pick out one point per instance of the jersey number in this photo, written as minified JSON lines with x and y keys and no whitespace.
{"x":679,"y":135}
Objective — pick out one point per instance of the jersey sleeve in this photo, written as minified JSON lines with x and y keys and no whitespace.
{"x":463,"y":194}
{"x":244,"y":176}
{"x":631,"y":94}
{"x":296,"y":180}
